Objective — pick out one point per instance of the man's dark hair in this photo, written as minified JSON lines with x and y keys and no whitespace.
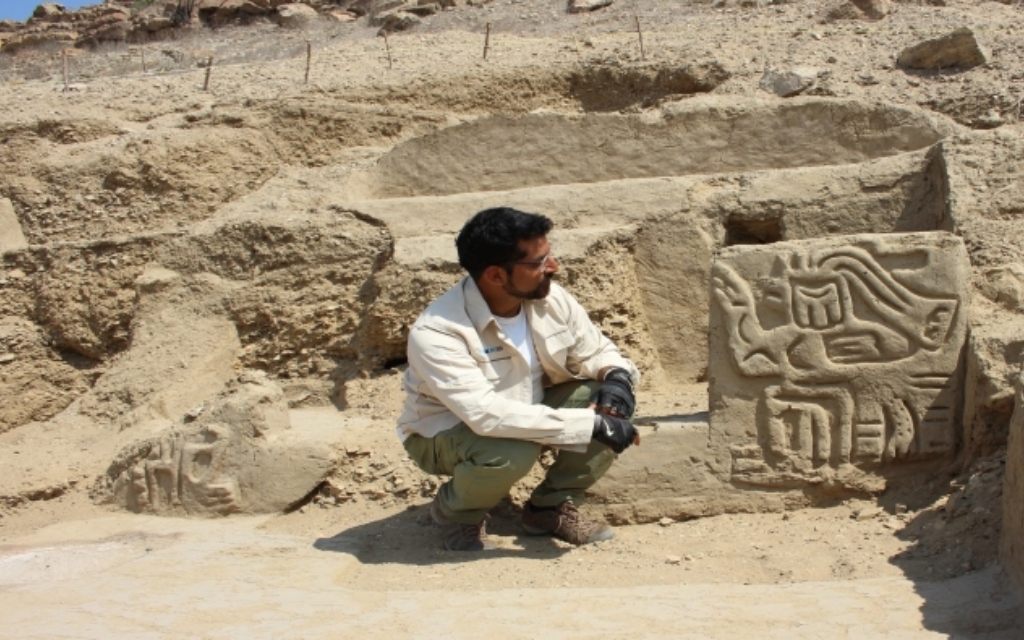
{"x":492,"y":237}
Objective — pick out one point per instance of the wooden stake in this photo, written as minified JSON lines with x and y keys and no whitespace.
{"x":209,"y":68}
{"x":640,"y":34}
{"x":64,"y":60}
{"x":487,"y":40}
{"x":387,"y":48}
{"x":309,"y":58}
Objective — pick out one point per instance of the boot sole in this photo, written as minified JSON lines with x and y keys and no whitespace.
{"x":608,"y":534}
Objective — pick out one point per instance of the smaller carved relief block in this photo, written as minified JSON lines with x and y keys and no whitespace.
{"x":239,"y":455}
{"x":837,"y":351}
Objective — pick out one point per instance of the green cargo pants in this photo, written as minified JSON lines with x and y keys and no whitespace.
{"x":483,"y":469}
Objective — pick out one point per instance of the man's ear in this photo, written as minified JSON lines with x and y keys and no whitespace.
{"x":494,"y":275}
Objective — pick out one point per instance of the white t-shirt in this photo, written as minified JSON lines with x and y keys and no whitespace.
{"x":518,"y":332}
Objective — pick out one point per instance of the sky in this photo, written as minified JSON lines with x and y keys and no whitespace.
{"x":20,"y":10}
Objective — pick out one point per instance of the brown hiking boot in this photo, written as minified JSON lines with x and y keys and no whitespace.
{"x":565,"y":522}
{"x":459,"y":537}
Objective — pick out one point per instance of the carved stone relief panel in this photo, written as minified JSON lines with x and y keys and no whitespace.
{"x":238,"y":453}
{"x":836,"y":351}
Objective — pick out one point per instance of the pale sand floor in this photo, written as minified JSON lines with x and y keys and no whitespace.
{"x":125,"y":576}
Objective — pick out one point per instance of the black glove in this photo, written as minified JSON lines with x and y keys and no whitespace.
{"x":617,"y":433}
{"x":616,"y":393}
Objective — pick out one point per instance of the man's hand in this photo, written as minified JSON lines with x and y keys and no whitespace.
{"x":615,"y":397}
{"x":617,"y":433}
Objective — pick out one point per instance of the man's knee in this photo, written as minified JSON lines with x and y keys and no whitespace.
{"x":513,"y":459}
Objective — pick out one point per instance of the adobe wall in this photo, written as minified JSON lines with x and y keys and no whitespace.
{"x":1011,"y":548}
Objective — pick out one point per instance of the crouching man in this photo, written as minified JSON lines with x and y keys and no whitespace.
{"x":503,"y":363}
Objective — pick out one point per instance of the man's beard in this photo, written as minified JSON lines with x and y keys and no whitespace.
{"x":537,"y":293}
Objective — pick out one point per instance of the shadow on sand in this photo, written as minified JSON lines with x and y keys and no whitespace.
{"x":411,"y":538}
{"x":951,"y":559}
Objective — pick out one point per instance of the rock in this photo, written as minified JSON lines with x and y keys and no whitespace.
{"x":673,"y":559}
{"x":423,"y":10}
{"x":959,"y":49}
{"x":867,"y":513}
{"x":397,"y":21}
{"x":340,"y":16}
{"x":995,"y":354}
{"x":109,"y":32}
{"x":153,"y":24}
{"x":295,"y":15}
{"x":1005,"y":285}
{"x":788,"y":83}
{"x":49,"y":11}
{"x":11,"y":236}
{"x":580,"y":6}
{"x":156,"y":279}
{"x":665,"y":522}
{"x":857,"y":10}
{"x":255,"y":7}
{"x":32,"y":39}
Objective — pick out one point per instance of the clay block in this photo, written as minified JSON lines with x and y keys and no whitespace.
{"x":1011,"y":549}
{"x":833,"y":352}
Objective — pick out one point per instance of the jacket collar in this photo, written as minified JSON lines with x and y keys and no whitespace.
{"x":480,"y":314}
{"x":476,"y":307}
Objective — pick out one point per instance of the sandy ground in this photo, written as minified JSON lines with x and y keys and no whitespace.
{"x":318,"y":574}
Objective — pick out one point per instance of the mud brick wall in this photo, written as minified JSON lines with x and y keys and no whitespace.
{"x":1012,"y":545}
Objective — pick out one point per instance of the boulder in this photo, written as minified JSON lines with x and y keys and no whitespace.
{"x":959,"y":49}
{"x":856,"y":10}
{"x":379,"y":15}
{"x":789,"y":83}
{"x":230,"y":10}
{"x":49,"y":12}
{"x":295,"y":15}
{"x":109,"y":32}
{"x":392,"y":21}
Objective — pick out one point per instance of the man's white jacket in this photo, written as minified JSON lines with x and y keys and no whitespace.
{"x":462,"y":368}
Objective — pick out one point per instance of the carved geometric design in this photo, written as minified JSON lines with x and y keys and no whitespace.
{"x":839,"y":350}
